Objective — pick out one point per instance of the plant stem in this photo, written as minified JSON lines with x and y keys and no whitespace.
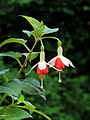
{"x":36,"y":111}
{"x":27,"y":58}
{"x":4,"y":96}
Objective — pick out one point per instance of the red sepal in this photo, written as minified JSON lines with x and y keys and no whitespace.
{"x":59,"y":64}
{"x":42,"y":71}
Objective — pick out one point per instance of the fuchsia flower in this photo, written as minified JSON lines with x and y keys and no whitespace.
{"x":60,"y":61}
{"x":42,"y":67}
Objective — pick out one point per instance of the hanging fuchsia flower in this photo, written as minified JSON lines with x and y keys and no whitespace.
{"x":41,"y":67}
{"x":60,"y":61}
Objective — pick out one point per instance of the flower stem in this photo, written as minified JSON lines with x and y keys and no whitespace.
{"x":27,"y":58}
{"x":50,"y":37}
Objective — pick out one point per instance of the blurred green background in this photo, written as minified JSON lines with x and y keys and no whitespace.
{"x":69,"y":100}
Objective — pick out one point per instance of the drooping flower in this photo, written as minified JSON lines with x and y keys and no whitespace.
{"x":41,"y":67}
{"x":60,"y":61}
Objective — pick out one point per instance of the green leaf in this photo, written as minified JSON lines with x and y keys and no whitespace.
{"x":43,"y":31}
{"x":15,"y":85}
{"x":13,"y":88}
{"x":32,"y":81}
{"x":32,"y":56}
{"x":29,"y":104}
{"x":14,"y":55}
{"x":49,"y":30}
{"x":1,"y":113}
{"x":35,"y":23}
{"x":10,"y":40}
{"x":7,"y":90}
{"x":15,"y":114}
{"x":37,"y":33}
{"x":3,"y":72}
{"x":28,"y":33}
{"x":32,"y":86}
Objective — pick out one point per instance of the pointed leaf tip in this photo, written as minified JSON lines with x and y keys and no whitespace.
{"x":49,"y":30}
{"x":35,"y":23}
{"x":28,"y":33}
{"x":11,"y":40}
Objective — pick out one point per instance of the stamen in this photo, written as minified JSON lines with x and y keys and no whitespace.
{"x":59,"y":77}
{"x":42,"y":83}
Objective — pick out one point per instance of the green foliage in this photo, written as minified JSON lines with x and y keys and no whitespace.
{"x":15,"y":85}
{"x":39,"y":28}
{"x":12,"y":54}
{"x":69,"y":102}
{"x":4,"y":72}
{"x":14,"y":113}
{"x":35,"y":23}
{"x":7,"y":90}
{"x":21,"y":41}
{"x":31,"y":86}
{"x":15,"y":40}
{"x":28,"y":33}
{"x":32,"y":56}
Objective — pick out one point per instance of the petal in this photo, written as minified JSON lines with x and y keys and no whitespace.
{"x":42,"y":71}
{"x":52,"y":61}
{"x":38,"y":71}
{"x":45,"y":70}
{"x":66,"y":61}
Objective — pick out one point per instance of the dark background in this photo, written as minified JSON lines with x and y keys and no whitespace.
{"x":69,"y":100}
